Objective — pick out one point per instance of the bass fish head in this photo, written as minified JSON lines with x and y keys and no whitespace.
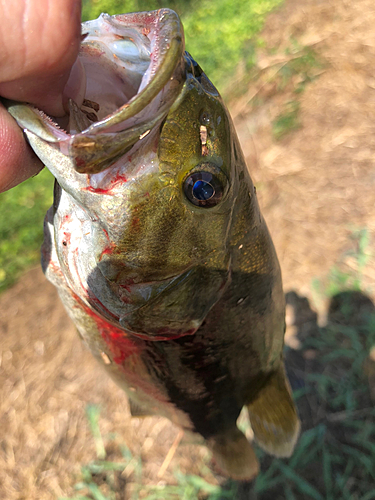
{"x":148,"y":172}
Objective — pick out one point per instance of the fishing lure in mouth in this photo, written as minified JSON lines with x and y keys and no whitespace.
{"x":156,"y":242}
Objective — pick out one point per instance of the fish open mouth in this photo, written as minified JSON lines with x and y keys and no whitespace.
{"x":131,"y":69}
{"x":114,"y":66}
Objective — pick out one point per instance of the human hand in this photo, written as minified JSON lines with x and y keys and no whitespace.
{"x":39,"y":43}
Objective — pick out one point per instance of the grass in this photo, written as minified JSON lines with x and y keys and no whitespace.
{"x":302,"y":66}
{"x":335,"y":457}
{"x":21,"y":226}
{"x":103,"y":479}
{"x":219,"y":34}
{"x":286,"y":121}
{"x":341,"y":276}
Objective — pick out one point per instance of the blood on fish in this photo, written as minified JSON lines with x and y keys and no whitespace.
{"x":66,"y":238}
{"x":106,"y":234}
{"x":107,"y":251}
{"x":98,"y":190}
{"x":119,"y":178}
{"x":96,"y":303}
{"x":119,"y":344}
{"x":116,"y":180}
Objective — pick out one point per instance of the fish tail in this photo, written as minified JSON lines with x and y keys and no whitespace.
{"x":234,"y":455}
{"x":273,"y":416}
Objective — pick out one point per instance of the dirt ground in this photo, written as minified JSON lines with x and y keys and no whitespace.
{"x":316,"y":187}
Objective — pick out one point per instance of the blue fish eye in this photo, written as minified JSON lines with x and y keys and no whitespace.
{"x":203,"y":188}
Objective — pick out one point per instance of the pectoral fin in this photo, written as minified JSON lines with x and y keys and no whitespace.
{"x":274,"y":418}
{"x":234,"y":455}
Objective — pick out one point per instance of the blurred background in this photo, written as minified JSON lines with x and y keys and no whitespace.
{"x":298,"y":78}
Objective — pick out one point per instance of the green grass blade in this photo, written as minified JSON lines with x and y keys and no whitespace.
{"x":327,"y":473}
{"x":96,"y":493}
{"x":300,"y":483}
{"x":93,"y":413}
{"x":369,"y":495}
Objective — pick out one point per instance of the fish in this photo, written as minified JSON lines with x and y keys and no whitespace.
{"x":156,"y":243}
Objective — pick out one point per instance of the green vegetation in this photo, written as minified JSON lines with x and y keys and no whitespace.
{"x":300,"y":67}
{"x":343,"y":277}
{"x":335,"y":456}
{"x":219,"y":33}
{"x":307,"y":66}
{"x":104,"y":479}
{"x":287,"y":120}
{"x":21,"y":226}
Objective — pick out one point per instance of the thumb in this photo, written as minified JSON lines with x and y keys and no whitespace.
{"x":39,"y":43}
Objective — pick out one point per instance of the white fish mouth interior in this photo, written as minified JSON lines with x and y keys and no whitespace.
{"x":116,"y":63}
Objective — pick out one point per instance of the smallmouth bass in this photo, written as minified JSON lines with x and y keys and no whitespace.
{"x":156,"y":242}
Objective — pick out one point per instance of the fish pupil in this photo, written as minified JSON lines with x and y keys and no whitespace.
{"x":203,"y":190}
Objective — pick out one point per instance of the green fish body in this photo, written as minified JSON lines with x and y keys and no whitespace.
{"x":157,"y":245}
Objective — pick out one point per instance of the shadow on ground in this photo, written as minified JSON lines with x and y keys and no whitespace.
{"x":333,"y":379}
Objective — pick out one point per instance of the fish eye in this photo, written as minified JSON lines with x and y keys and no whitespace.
{"x":203,"y":189}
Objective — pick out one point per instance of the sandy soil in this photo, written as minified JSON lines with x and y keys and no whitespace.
{"x":316,"y":187}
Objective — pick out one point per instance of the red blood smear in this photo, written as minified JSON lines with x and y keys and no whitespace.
{"x":107,"y":251}
{"x":117,"y":179}
{"x":67,"y":237}
{"x":98,"y":190}
{"x":119,"y":344}
{"x":106,"y":234}
{"x":96,"y":302}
